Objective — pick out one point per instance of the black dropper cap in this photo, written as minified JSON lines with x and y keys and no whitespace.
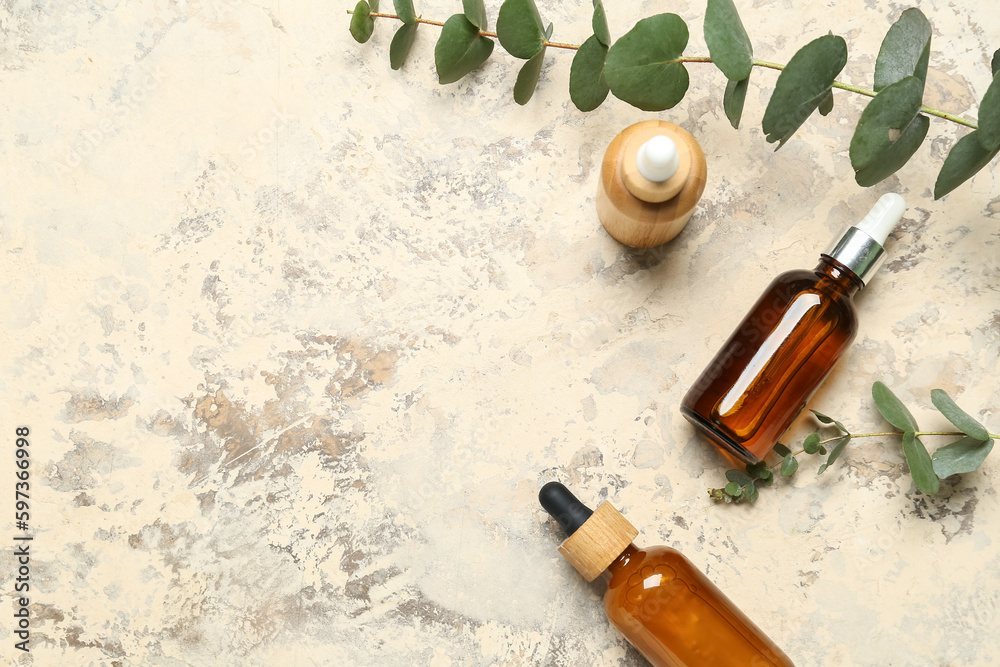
{"x":560,"y":502}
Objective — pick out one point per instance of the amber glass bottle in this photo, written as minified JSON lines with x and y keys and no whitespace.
{"x":788,"y":343}
{"x":656,"y":598}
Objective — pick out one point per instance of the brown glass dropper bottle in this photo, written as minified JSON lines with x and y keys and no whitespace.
{"x":788,"y":342}
{"x":663,"y":605}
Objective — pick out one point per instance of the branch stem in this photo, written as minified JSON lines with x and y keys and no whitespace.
{"x":705,"y":59}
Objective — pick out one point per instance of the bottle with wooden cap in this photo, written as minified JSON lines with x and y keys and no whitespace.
{"x":663,"y":605}
{"x":652,"y":176}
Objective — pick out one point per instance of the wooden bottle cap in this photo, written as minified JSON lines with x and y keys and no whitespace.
{"x":598,"y":542}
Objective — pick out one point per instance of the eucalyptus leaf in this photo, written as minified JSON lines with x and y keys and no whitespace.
{"x":835,"y":453}
{"x":789,"y":465}
{"x":823,"y":418}
{"x":727,"y":40}
{"x":751,"y":492}
{"x":733,"y":100}
{"x":896,"y":155}
{"x":460,"y":49}
{"x":905,"y":50}
{"x":404,"y":10}
{"x":921,"y":467}
{"x":587,"y":86}
{"x":964,"y":160}
{"x":548,"y":31}
{"x":362,"y":24}
{"x":739,"y":477}
{"x":989,"y":116}
{"x":642,"y":69}
{"x":757,"y":469}
{"x":401,"y":43}
{"x":519,"y":28}
{"x":600,"y":24}
{"x":961,"y":456}
{"x":802,"y":85}
{"x":527,"y":78}
{"x":957,"y":416}
{"x":893,"y":409}
{"x":995,"y":64}
{"x":889,"y":132}
{"x":811,"y":444}
{"x":781,"y":450}
{"x":475,"y":11}
{"x":826,"y":106}
{"x":733,"y":489}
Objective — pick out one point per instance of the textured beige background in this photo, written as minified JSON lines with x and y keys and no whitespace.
{"x":299,"y":337}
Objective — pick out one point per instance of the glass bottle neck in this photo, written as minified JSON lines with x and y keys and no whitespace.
{"x":621,"y":562}
{"x":835,"y":275}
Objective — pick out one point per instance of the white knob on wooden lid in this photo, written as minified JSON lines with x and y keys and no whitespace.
{"x":657,"y":159}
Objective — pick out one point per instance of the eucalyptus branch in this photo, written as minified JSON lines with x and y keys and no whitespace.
{"x":648,"y":71}
{"x":706,"y":59}
{"x":961,"y":456}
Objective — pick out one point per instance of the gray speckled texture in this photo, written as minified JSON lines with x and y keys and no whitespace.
{"x":299,"y":337}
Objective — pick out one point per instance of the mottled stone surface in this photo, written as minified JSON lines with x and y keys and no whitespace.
{"x":299,"y":337}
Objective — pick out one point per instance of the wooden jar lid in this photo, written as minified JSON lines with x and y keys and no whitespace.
{"x":598,"y":542}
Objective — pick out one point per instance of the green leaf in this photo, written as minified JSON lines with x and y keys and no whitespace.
{"x":823,"y":418}
{"x":401,"y":43}
{"x":460,"y":49}
{"x":905,"y":50}
{"x":893,"y":409}
{"x":802,"y":86}
{"x":995,"y":64}
{"x":781,"y":450}
{"x":600,"y":24}
{"x":739,"y":477}
{"x":889,"y":132}
{"x":921,"y":467}
{"x":756,"y":470}
{"x":961,"y":456}
{"x":519,"y":28}
{"x":957,"y":416}
{"x":751,"y":492}
{"x":811,"y":444}
{"x":475,"y":11}
{"x":733,"y":99}
{"x":826,"y":106}
{"x":587,"y":86}
{"x":989,"y":116}
{"x":548,"y":31}
{"x":527,"y":78}
{"x":404,"y":10}
{"x":733,"y":489}
{"x":641,"y":67}
{"x":789,"y":465}
{"x":964,"y":160}
{"x":727,"y":40}
{"x":362,"y":24}
{"x":835,"y":453}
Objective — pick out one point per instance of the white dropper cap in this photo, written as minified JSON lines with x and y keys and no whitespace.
{"x":657,"y":159}
{"x":860,"y":249}
{"x":883,"y":217}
